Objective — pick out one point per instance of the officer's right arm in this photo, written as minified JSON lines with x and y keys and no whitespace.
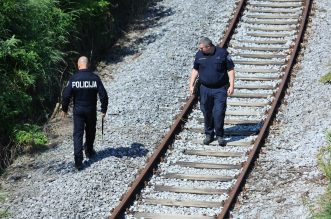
{"x":194,"y":76}
{"x":66,"y":96}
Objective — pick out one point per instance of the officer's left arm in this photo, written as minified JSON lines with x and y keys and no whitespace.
{"x":103,"y":96}
{"x":231,"y":80}
{"x":231,"y":74}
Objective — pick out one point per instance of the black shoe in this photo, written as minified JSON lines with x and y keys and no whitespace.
{"x":221,"y":141}
{"x":79,"y":166}
{"x":208,"y":139}
{"x":79,"y":163}
{"x":90,"y":153}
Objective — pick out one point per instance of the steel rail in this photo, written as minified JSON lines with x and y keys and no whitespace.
{"x":228,"y":34}
{"x":272,"y":111}
{"x":138,"y":183}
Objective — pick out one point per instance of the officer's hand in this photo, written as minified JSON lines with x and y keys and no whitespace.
{"x":103,"y":115}
{"x":230,"y":91}
{"x":191,"y":89}
{"x":63,"y":115}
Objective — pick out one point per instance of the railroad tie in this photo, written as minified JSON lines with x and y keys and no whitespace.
{"x":257,"y":70}
{"x":207,"y":165}
{"x":212,"y":153}
{"x":268,"y":16}
{"x":278,"y":5}
{"x":261,"y":48}
{"x":146,"y":215}
{"x":228,"y":143}
{"x":198,"y":177}
{"x":260,"y":56}
{"x":277,"y":28}
{"x":272,"y":22}
{"x":258,"y":41}
{"x":200,"y":191}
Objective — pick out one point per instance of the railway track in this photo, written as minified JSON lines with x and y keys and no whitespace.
{"x":196,"y":181}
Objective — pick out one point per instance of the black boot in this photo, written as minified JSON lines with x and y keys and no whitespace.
{"x":89,"y":151}
{"x":221,"y":141}
{"x":79,"y":163}
{"x":208,"y":139}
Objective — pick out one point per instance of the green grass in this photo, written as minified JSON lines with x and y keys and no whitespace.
{"x":324,"y":161}
{"x":327,"y":77}
{"x":3,"y":213}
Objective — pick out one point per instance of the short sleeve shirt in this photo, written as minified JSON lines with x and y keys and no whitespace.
{"x":213,"y":68}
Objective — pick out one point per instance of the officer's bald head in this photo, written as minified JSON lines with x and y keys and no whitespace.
{"x":205,"y":41}
{"x":83,"y":62}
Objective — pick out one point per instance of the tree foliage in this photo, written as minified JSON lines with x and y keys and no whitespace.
{"x":30,"y":57}
{"x":40,"y":41}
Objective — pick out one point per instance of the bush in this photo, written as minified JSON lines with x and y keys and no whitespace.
{"x":30,"y":59}
{"x":30,"y":137}
{"x":92,"y":31}
{"x":33,"y":34}
{"x":40,"y":41}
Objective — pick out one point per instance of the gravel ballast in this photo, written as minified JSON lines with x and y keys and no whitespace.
{"x":287,"y":183}
{"x":146,"y":83}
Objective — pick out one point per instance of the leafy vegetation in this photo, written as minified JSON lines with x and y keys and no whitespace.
{"x":326,"y":78}
{"x":32,"y":36}
{"x":31,"y":136}
{"x":3,"y":213}
{"x":324,"y":160}
{"x":40,"y":41}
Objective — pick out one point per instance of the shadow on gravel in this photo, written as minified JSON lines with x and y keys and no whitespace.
{"x":243,"y":127}
{"x":135,"y":150}
{"x":135,"y":40}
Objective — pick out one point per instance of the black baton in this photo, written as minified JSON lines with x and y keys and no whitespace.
{"x":102,"y":127}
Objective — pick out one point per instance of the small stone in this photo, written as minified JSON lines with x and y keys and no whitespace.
{"x":279,"y":200}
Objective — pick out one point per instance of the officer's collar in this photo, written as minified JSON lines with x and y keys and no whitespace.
{"x":84,"y":69}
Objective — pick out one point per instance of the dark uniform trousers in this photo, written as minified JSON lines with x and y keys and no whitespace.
{"x":213,"y":107}
{"x":84,"y":118}
{"x":84,"y":87}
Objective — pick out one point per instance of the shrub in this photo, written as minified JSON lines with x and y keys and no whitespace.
{"x":32,"y":34}
{"x":39,"y":44}
{"x":30,"y":137}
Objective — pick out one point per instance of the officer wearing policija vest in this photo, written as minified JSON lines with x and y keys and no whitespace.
{"x":84,"y":87}
{"x":216,"y":74}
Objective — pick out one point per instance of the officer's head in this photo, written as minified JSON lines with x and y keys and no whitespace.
{"x":83,"y":62}
{"x":206,"y":45}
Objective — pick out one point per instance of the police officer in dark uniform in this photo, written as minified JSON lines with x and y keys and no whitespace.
{"x":216,"y":74}
{"x":84,"y":86}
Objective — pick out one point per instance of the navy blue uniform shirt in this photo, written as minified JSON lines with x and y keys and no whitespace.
{"x":213,"y":68}
{"x":84,"y":87}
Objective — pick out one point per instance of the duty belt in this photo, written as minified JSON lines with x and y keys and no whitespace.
{"x":214,"y":86}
